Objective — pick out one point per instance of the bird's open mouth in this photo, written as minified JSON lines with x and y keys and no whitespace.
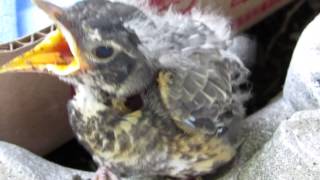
{"x":52,"y":55}
{"x":57,"y":54}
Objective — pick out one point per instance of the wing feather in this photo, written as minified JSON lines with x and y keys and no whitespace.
{"x":197,"y":97}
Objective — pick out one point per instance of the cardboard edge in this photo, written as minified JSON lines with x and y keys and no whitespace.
{"x":26,"y":41}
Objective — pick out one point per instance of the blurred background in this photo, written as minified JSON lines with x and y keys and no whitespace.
{"x":20,"y":17}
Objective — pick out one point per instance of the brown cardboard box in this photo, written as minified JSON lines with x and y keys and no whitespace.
{"x":32,"y":107}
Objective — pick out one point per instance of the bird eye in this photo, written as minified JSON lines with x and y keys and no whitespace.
{"x":103,"y":52}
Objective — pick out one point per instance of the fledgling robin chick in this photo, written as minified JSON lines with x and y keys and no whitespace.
{"x":155,"y":95}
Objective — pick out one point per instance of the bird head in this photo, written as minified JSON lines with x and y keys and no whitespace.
{"x":91,"y":46}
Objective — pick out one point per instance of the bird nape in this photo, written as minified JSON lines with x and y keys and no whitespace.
{"x":156,"y":95}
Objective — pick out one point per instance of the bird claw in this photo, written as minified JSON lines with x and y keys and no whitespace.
{"x":104,"y":173}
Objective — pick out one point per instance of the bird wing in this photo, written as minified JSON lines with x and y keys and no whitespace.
{"x":200,"y":97}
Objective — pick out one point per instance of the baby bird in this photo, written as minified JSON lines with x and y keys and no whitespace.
{"x":156,"y":95}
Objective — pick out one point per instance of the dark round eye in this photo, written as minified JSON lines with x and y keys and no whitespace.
{"x":103,"y":51}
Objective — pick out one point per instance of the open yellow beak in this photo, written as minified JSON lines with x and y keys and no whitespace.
{"x":52,"y":55}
